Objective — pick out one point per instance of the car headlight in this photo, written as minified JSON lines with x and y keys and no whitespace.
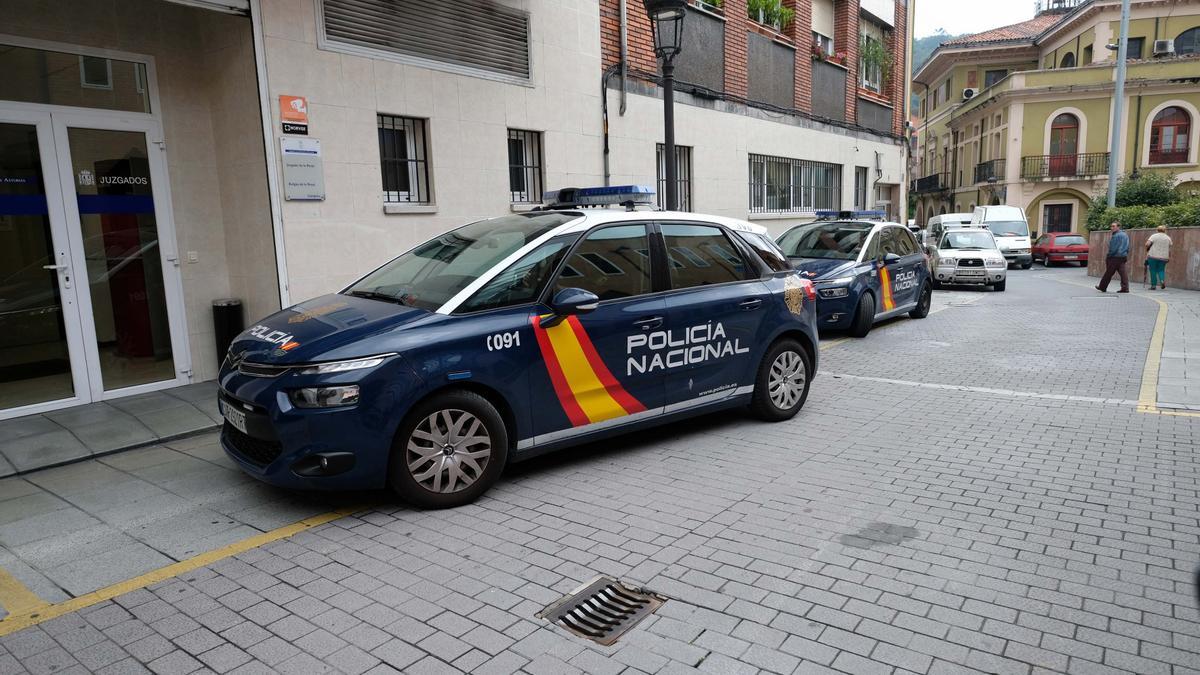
{"x":325,"y":397}
{"x":996,"y":262}
{"x":840,"y":281}
{"x":947,"y":262}
{"x":838,"y":292}
{"x":343,"y":366}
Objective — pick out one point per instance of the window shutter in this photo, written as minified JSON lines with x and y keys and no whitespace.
{"x":476,"y":34}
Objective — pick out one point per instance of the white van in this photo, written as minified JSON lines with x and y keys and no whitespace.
{"x":1010,"y":227}
{"x":947,"y":221}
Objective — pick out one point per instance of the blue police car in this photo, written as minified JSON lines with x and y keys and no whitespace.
{"x":513,"y":336}
{"x":864,"y":270}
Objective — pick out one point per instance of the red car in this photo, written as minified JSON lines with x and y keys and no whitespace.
{"x":1061,"y":247}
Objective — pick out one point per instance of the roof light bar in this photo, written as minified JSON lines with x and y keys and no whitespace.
{"x":599,"y":196}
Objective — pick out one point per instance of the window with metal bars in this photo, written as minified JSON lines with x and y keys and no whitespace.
{"x":524,"y":166}
{"x":782,"y":185}
{"x":404,"y":159}
{"x":683,"y":176}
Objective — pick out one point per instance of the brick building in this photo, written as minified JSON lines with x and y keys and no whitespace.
{"x":777,"y":117}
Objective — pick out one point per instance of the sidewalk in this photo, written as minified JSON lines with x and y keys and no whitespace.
{"x":1179,"y":369}
{"x":50,"y":439}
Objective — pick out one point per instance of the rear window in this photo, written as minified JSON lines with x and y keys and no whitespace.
{"x":1073,"y":240}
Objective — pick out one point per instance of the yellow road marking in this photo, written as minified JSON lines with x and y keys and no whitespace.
{"x":26,"y":616}
{"x":16,"y":598}
{"x":1148,"y":394}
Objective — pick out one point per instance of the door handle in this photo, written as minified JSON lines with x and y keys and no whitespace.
{"x":54,"y":267}
{"x":649,"y":323}
{"x":750,"y":304}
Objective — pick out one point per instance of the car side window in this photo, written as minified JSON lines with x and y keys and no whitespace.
{"x":523,"y":281}
{"x":904,"y":241}
{"x":888,"y":243}
{"x":701,"y":255}
{"x":874,"y":246}
{"x":612,"y":262}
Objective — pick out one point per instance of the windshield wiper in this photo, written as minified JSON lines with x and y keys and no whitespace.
{"x":376,"y":295}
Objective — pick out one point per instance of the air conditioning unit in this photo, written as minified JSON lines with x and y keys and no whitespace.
{"x":969,"y":93}
{"x":1164,"y":47}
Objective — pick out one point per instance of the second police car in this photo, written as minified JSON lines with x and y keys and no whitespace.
{"x":516,"y":335}
{"x":864,"y":270}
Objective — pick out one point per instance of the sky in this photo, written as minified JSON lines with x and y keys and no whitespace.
{"x":968,"y":16}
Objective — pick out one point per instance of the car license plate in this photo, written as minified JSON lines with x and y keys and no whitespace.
{"x":1070,"y":257}
{"x":971,"y":273}
{"x":232,"y":415}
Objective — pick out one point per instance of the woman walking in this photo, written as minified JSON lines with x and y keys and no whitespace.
{"x":1158,"y":251}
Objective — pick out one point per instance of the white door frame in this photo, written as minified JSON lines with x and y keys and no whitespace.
{"x":52,"y":121}
{"x":60,"y":245}
{"x":167,"y":249}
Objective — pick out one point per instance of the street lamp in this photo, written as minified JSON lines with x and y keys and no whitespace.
{"x":666,"y":17}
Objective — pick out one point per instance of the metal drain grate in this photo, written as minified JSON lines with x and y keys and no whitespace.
{"x":603,"y":610}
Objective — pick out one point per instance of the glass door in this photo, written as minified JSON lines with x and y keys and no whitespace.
{"x":119,"y":225}
{"x":41,"y":360}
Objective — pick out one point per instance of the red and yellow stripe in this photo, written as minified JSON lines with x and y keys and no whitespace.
{"x":585,"y":387}
{"x":885,"y":283}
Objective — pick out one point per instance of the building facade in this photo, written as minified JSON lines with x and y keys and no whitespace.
{"x":1022,"y":115}
{"x":158,"y":155}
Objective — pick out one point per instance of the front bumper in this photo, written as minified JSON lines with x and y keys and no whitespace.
{"x":342,"y":448}
{"x":1014,"y":258}
{"x":836,"y":313}
{"x":973,"y":276}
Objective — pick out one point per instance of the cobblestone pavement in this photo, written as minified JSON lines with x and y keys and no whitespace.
{"x":974,"y":492}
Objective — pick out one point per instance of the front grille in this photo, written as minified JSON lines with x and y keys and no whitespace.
{"x":261,"y":369}
{"x":970,"y":262}
{"x":257,"y":452}
{"x":602,"y":611}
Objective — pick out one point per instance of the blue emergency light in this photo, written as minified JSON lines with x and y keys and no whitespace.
{"x":851,"y":215}
{"x":608,"y":195}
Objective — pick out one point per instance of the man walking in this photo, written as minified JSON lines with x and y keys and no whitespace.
{"x":1118,"y":253}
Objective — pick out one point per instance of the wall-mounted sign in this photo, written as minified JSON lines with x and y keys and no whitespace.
{"x":293,"y":114}
{"x":303,"y":169}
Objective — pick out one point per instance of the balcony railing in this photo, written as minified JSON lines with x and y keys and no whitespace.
{"x":991,"y":171}
{"x":1168,"y":156}
{"x":933,"y":183}
{"x":1048,"y":167}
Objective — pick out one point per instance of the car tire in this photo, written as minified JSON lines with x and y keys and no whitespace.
{"x":864,"y":316}
{"x":923,"y":302}
{"x":1046,"y":262}
{"x":937,"y":285}
{"x":999,"y":286}
{"x":1027,"y":265}
{"x":425,"y":479}
{"x":777,"y":394}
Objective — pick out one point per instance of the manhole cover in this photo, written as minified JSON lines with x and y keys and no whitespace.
{"x":603,"y":610}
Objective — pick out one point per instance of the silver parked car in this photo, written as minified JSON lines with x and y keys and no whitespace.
{"x":968,"y":255}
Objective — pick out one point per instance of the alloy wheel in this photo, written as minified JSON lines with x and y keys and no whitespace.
{"x":785,"y":384}
{"x":448,"y":451}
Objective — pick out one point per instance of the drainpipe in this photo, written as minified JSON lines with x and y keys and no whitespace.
{"x":273,"y":182}
{"x":624,"y":30}
{"x":1137,"y":136}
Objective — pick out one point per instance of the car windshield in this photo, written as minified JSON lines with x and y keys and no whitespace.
{"x":838,"y":241}
{"x":973,"y":240}
{"x":1009,"y":228}
{"x":437,"y":270}
{"x":1073,"y":240}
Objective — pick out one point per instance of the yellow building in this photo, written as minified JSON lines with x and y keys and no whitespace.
{"x":1022,"y":115}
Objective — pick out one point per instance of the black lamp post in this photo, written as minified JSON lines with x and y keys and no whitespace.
{"x":666,"y":17}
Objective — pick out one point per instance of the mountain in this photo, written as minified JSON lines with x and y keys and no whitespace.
{"x":923,"y":47}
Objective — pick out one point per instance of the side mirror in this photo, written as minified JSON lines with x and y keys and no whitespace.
{"x":568,"y":302}
{"x":890,"y":258}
